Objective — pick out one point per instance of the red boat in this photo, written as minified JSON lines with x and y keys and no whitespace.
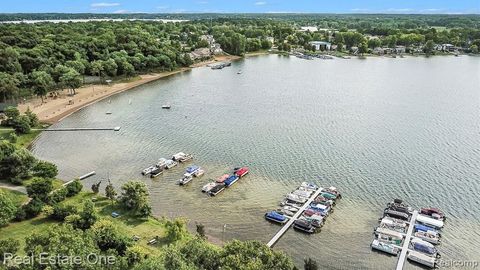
{"x":222,"y":178}
{"x":433,"y":213}
{"x":242,"y":171}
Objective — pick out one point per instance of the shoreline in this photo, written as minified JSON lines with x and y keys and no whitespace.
{"x":55,"y":110}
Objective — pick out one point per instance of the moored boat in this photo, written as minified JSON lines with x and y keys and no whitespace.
{"x":385,"y":247}
{"x":435,"y":223}
{"x":182,"y":157}
{"x":396,"y":214}
{"x":156,"y":172}
{"x":290,"y":208}
{"x":185,"y":179}
{"x":276,"y":217}
{"x":216,"y":190}
{"x":433,"y":213}
{"x":309,"y":186}
{"x":388,"y":232}
{"x":222,"y":178}
{"x":192,"y":169}
{"x":428,"y":236}
{"x":170,"y":164}
{"x":148,"y":170}
{"x":296,"y":198}
{"x":304,"y":226}
{"x":424,"y":247}
{"x":242,"y":171}
{"x":230,"y":180}
{"x":162,"y":163}
{"x":199,"y":172}
{"x":207,"y":187}
{"x":422,"y":259}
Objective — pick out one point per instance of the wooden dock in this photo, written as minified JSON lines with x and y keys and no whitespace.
{"x":287,"y":225}
{"x":80,"y":129}
{"x":406,"y":243}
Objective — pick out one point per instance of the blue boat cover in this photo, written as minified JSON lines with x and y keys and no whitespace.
{"x":423,"y":228}
{"x":275,"y":215}
{"x":424,"y":248}
{"x":230,"y":180}
{"x":192,"y":169}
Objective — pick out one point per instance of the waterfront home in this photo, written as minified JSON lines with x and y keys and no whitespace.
{"x":378,"y":50}
{"x":321,"y":45}
{"x":448,"y":47}
{"x":308,"y":29}
{"x":270,"y":39}
{"x":200,"y":53}
{"x":400,"y":49}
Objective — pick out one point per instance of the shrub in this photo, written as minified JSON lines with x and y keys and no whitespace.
{"x":22,"y":124}
{"x":74,"y":188}
{"x":45,"y":169}
{"x":20,"y":215}
{"x":8,"y":246}
{"x":7,"y":209}
{"x":57,"y":196}
{"x":60,"y":212}
{"x":40,"y":189}
{"x":33,"y":208}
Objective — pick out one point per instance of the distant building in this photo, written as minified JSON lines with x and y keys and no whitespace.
{"x":200,"y":53}
{"x":214,"y":47}
{"x":448,"y":47}
{"x":321,"y":45}
{"x":270,"y":39}
{"x":308,"y":28}
{"x":400,"y":49}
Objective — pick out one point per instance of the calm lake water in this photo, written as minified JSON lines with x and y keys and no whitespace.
{"x":377,"y":129}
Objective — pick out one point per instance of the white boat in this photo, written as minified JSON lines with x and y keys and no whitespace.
{"x":148,"y":170}
{"x":422,"y":258}
{"x":296,"y":198}
{"x":178,"y":156}
{"x":170,"y":164}
{"x":290,"y":208}
{"x":309,"y":186}
{"x":185,"y":179}
{"x":302,"y":193}
{"x":428,"y":236}
{"x":394,"y":224}
{"x":162,"y":162}
{"x":199,"y":172}
{"x":208,"y":187}
{"x":389,"y":239}
{"x":388,"y":232}
{"x":166,"y":106}
{"x":385,"y":247}
{"x":438,"y":224}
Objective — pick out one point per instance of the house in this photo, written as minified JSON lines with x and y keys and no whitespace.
{"x":400,"y":49}
{"x":308,"y":29}
{"x":213,"y":46}
{"x":270,"y":39}
{"x":448,"y":47}
{"x":378,"y":50}
{"x":216,"y":49}
{"x":321,"y":45}
{"x":200,"y":53}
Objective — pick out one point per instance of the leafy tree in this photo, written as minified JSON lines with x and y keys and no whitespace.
{"x":7,"y":209}
{"x":12,"y":113}
{"x":71,"y":79}
{"x":40,"y":188}
{"x":74,"y":188}
{"x":200,"y":230}
{"x":474,"y":48}
{"x":88,"y":216}
{"x":22,"y":124}
{"x":33,"y":208}
{"x":175,"y":229}
{"x":45,"y":169}
{"x":32,"y":117}
{"x":429,"y":47}
{"x":201,"y":254}
{"x":57,"y":196}
{"x":110,"y":191}
{"x":363,"y":48}
{"x":96,"y":187}
{"x":203,"y":43}
{"x":134,"y":196}
{"x":107,"y":236}
{"x":310,"y":264}
{"x":15,"y":164}
{"x":8,"y":86}
{"x":135,"y":255}
{"x":60,"y":212}
{"x":41,"y":82}
{"x":9,"y":245}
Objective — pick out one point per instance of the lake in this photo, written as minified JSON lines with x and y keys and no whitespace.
{"x":376,"y":128}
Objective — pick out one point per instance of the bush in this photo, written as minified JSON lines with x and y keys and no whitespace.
{"x":40,"y":189}
{"x":74,"y":188}
{"x":22,"y":124}
{"x":45,"y":169}
{"x":8,"y":246}
{"x":33,"y":208}
{"x":7,"y":209}
{"x":12,"y":138}
{"x":60,"y":212}
{"x":57,"y":196}
{"x":20,"y":215}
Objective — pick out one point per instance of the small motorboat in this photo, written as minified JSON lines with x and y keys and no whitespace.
{"x":286,"y":212}
{"x":239,"y":72}
{"x":166,"y":106}
{"x":192,"y":169}
{"x":425,"y":228}
{"x":309,"y":186}
{"x":435,"y":223}
{"x":428,"y":236}
{"x":230,"y":180}
{"x":393,"y":224}
{"x":276,"y":217}
{"x":222,"y":178}
{"x":385,"y":247}
{"x":241,"y":172}
{"x":422,"y":259}
{"x":108,"y":112}
{"x":388,"y":232}
{"x":304,"y":226}
{"x":185,"y":179}
{"x":333,"y":190}
{"x":162,"y":163}
{"x":199,"y":172}
{"x":290,"y":203}
{"x":328,"y":195}
{"x":296,"y":198}
{"x":148,"y":170}
{"x":396,"y":214}
{"x":302,"y":193}
{"x":433,"y":213}
{"x":389,"y":239}
{"x":208,"y":186}
{"x":170,"y":164}
{"x":316,"y":220}
{"x":157,"y":172}
{"x":216,"y":189}
{"x":182,"y":157}
{"x":290,"y":208}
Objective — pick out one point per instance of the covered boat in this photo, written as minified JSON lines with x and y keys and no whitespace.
{"x":394,"y":224}
{"x":385,"y":247}
{"x":393,"y":234}
{"x":192,"y":169}
{"x":396,"y":214}
{"x":208,"y":186}
{"x":276,"y":217}
{"x":315,"y":220}
{"x":181,"y":157}
{"x":148,"y":170}
{"x":162,"y":163}
{"x":425,"y":228}
{"x":216,"y":189}
{"x":156,"y":172}
{"x":185,"y":180}
{"x":422,"y":259}
{"x":433,"y":213}
{"x":424,"y":247}
{"x":242,"y":171}
{"x":296,"y":198}
{"x":428,"y":236}
{"x":222,"y":178}
{"x":170,"y":164}
{"x":328,"y":195}
{"x":230,"y":180}
{"x":435,"y":223}
{"x":303,"y":226}
{"x":310,"y":186}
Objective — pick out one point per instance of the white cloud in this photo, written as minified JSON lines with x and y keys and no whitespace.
{"x":400,"y":10}
{"x":359,"y":9}
{"x":101,"y":5}
{"x":121,"y":11}
{"x":162,"y":7}
{"x":260,"y":3}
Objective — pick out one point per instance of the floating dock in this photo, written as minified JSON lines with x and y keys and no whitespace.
{"x":406,"y":242}
{"x":287,"y":225}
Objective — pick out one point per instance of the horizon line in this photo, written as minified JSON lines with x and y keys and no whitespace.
{"x":258,"y":13}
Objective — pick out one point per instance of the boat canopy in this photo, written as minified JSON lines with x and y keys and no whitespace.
{"x":389,"y":232}
{"x":397,"y":214}
{"x":241,"y":171}
{"x":423,"y":246}
{"x":276,"y":216}
{"x":192,"y":169}
{"x":421,"y":258}
{"x":424,"y":228}
{"x":230,"y":180}
{"x":430,"y":221}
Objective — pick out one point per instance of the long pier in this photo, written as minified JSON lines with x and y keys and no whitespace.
{"x":293,"y":218}
{"x":406,"y":243}
{"x":79,"y":129}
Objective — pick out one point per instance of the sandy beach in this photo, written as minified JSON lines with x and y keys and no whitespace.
{"x":53,"y":110}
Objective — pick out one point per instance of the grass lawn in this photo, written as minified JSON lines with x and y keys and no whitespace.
{"x":23,"y":140}
{"x":15,"y":196}
{"x":130,"y":225}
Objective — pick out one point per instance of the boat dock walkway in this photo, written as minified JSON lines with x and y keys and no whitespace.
{"x":78,"y":129}
{"x":292,"y":219}
{"x":406,"y":243}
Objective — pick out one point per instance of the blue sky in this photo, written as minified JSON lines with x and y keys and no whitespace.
{"x":262,"y":6}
